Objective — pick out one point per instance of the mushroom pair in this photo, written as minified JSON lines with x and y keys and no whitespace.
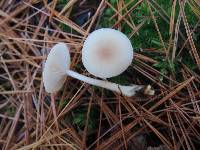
{"x":106,"y":53}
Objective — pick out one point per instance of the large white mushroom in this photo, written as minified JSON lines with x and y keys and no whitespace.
{"x":56,"y":70}
{"x":107,"y":53}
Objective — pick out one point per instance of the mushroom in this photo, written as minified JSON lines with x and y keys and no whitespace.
{"x":54,"y":73}
{"x":56,"y":65}
{"x":107,"y":53}
{"x":56,"y":70}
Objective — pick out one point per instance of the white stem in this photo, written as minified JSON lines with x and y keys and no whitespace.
{"x":125,"y":90}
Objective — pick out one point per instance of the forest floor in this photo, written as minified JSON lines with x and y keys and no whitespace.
{"x":166,"y":40}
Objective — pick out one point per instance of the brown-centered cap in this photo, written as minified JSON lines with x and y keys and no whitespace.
{"x":107,"y":53}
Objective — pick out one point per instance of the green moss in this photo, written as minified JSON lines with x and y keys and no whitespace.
{"x":80,"y":118}
{"x":60,"y":4}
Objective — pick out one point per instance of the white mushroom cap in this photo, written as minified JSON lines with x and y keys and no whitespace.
{"x":54,"y":73}
{"x":107,"y":53}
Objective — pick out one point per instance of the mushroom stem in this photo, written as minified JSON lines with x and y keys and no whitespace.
{"x":54,"y":111}
{"x":125,"y":90}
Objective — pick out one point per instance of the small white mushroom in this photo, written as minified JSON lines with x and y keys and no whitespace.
{"x":56,"y":70}
{"x":54,"y":73}
{"x":107,"y":53}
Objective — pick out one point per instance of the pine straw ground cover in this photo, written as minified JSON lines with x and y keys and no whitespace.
{"x":165,"y":36}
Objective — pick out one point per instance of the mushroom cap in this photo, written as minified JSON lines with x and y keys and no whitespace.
{"x":107,"y":53}
{"x":56,"y":65}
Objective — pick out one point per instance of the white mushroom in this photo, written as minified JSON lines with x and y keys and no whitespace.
{"x":57,"y":68}
{"x":54,"y":73}
{"x":107,"y":53}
